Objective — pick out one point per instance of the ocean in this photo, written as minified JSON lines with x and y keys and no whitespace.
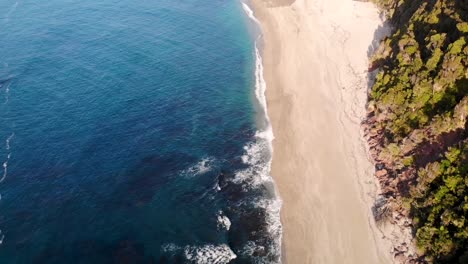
{"x":134,"y":132}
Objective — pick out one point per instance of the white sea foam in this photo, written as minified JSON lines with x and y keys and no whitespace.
{"x":203,"y":166}
{"x":5,"y":168}
{"x":206,"y":254}
{"x":5,"y":171}
{"x":260,"y":84}
{"x":223,"y":221}
{"x":171,"y":247}
{"x":5,"y":163}
{"x":250,"y":13}
{"x":272,"y":207}
{"x":250,"y":248}
{"x":258,"y":156}
{"x":7,"y":141}
{"x":209,"y":254}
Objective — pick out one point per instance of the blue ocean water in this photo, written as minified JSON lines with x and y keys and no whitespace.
{"x":131,"y":132}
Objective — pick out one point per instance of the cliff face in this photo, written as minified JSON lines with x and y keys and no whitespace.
{"x":417,"y":126}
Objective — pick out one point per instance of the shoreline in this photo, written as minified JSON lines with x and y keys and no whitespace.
{"x":326,"y":215}
{"x":264,"y":137}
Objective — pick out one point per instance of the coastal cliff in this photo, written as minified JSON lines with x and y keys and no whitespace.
{"x":416,"y":127}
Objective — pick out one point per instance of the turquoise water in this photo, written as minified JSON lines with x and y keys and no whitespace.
{"x":129,"y":134}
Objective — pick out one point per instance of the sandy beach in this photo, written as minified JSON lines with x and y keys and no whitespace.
{"x":315,"y":55}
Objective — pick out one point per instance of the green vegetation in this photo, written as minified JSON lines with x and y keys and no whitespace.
{"x":440,"y":203}
{"x":420,"y":103}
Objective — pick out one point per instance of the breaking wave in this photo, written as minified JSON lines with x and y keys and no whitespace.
{"x":249,"y":12}
{"x":206,"y":254}
{"x":258,"y":157}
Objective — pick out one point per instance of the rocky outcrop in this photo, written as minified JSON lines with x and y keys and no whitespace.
{"x":392,"y":218}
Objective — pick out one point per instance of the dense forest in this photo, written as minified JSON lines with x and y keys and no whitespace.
{"x":417,"y":123}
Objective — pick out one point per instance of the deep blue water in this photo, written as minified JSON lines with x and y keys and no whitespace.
{"x":127,"y":129}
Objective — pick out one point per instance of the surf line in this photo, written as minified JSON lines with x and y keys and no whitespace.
{"x":266,"y":134}
{"x":250,"y":13}
{"x":260,"y":84}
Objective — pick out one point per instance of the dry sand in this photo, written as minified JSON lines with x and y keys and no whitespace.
{"x":316,"y":56}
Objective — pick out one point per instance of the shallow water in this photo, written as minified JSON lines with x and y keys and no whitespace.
{"x":130,"y":134}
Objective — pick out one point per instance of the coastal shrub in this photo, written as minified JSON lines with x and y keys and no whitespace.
{"x":440,"y":205}
{"x":434,"y":60}
{"x":463,"y":27}
{"x":420,"y":97}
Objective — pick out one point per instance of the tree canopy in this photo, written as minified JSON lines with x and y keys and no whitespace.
{"x":420,"y":101}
